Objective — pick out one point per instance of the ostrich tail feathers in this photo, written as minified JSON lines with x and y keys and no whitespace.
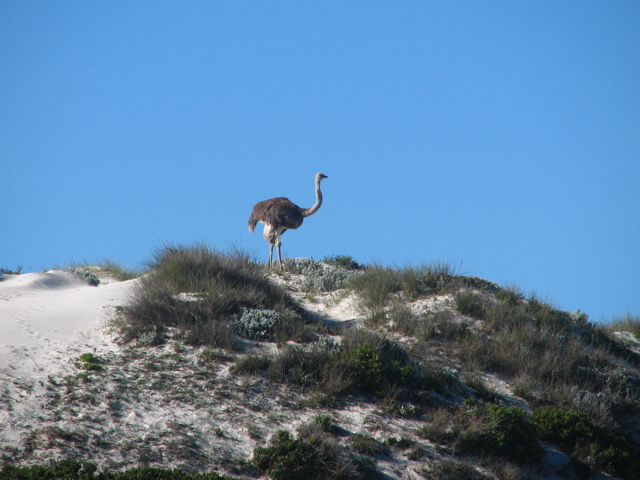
{"x":252,"y":223}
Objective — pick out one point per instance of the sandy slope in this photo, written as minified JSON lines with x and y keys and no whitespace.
{"x":168,"y":406}
{"x":45,"y":317}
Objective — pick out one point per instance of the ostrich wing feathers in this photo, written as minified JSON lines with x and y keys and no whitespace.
{"x":278,"y":212}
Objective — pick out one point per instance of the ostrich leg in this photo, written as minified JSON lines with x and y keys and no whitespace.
{"x":280,"y":256}
{"x":271,"y":253}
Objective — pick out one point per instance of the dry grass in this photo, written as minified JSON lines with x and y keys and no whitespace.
{"x":199,"y":291}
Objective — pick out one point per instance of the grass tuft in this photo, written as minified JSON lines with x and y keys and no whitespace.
{"x":200,"y":292}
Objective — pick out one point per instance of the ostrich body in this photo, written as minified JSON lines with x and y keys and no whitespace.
{"x":281,"y":214}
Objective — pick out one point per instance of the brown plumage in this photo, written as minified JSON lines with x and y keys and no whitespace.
{"x":281,"y":214}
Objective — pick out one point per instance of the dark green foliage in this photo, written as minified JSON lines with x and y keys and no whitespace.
{"x":316,"y":457}
{"x":342,"y":261}
{"x":585,"y":441}
{"x":73,"y":470}
{"x":367,"y":369}
{"x":288,"y":458}
{"x":88,"y":361}
{"x":366,"y":363}
{"x":498,"y":431}
{"x":199,"y":290}
{"x":377,"y":363}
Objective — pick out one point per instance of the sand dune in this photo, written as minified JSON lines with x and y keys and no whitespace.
{"x":47,"y":316}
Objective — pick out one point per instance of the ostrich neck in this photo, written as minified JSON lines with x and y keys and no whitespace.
{"x":310,"y":211}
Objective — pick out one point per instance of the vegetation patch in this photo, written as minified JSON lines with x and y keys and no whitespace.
{"x":321,"y":276}
{"x":497,"y":431}
{"x":315,"y":457}
{"x":85,"y":274}
{"x":588,"y":444}
{"x":200,"y":292}
{"x":88,"y":361}
{"x":74,"y":470}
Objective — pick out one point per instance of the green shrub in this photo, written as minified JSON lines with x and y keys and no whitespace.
{"x":88,"y":361}
{"x":327,"y":423}
{"x":342,"y":261}
{"x":377,"y":364}
{"x":367,"y":369}
{"x":497,"y":431}
{"x":583,"y":440}
{"x":317,"y":457}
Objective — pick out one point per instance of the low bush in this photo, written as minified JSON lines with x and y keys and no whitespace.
{"x":200,"y":292}
{"x":585,"y":441}
{"x":319,"y":276}
{"x":257,"y":323}
{"x":365,"y":363}
{"x":484,"y":430}
{"x":497,"y":431}
{"x":343,"y":261}
{"x":315,"y":457}
{"x":85,"y":274}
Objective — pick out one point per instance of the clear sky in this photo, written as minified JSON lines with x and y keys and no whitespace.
{"x":502,"y":137}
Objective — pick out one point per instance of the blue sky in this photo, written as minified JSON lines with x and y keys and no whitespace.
{"x":501,"y":137}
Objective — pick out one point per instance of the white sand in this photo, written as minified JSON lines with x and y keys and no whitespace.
{"x":45,"y":317}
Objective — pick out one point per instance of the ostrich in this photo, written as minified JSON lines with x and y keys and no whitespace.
{"x":281,"y":214}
